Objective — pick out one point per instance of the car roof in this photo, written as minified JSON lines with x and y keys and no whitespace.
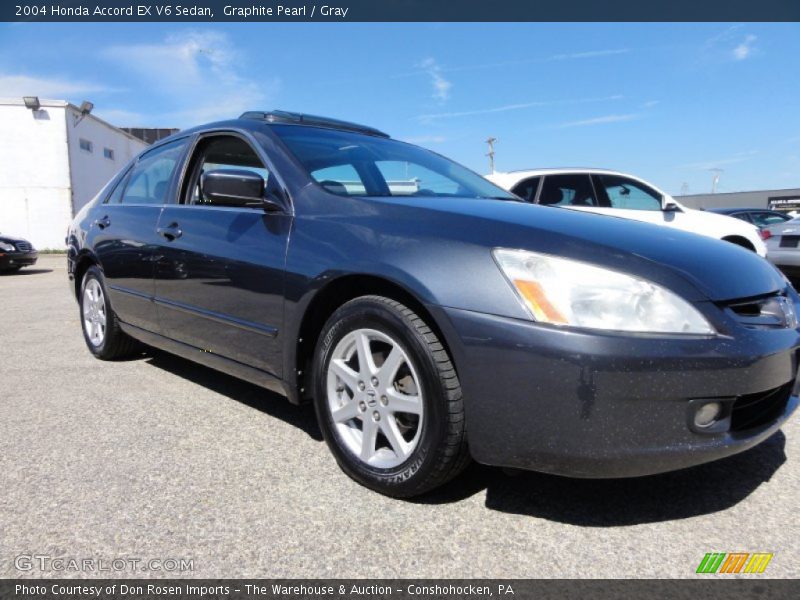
{"x":731,"y":210}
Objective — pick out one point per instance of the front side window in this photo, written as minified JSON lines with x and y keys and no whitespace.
{"x":628,"y":194}
{"x":355,"y":164}
{"x":573,"y":189}
{"x":149,"y":181}
{"x":222,"y":153}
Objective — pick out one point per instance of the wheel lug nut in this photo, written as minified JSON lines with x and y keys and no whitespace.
{"x":361,"y":385}
{"x":384,"y":400}
{"x":374,"y":381}
{"x":362,"y":407}
{"x":376,"y":415}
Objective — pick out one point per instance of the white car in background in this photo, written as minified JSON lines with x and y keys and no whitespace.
{"x":620,"y":195}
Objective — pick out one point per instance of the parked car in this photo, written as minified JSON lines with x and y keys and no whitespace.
{"x":16,"y":253}
{"x":782,"y":246}
{"x":434,"y":323}
{"x":613,"y":193}
{"x":760,"y":217}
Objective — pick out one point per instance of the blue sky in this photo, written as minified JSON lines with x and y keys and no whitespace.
{"x":667,"y":102}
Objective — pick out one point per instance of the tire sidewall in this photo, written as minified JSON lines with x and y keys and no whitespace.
{"x":369,"y":314}
{"x":95,"y":273}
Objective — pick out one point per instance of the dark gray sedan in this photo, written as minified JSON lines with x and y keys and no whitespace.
{"x":432,"y":317}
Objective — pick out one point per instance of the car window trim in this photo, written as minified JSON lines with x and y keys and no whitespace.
{"x":171,"y":185}
{"x":248,"y":138}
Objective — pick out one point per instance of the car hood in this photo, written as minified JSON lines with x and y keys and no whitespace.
{"x":718,"y":270}
{"x":10,"y":238}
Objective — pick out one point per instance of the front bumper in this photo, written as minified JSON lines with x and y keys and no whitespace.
{"x":12,"y":260}
{"x":604,"y":405}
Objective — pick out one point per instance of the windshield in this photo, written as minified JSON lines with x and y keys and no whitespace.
{"x":354,"y":164}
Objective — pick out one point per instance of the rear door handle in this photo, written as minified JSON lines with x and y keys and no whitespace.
{"x":171,"y":232}
{"x":104,"y":222}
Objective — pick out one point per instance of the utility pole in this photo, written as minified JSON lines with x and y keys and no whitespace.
{"x":685,"y":188}
{"x":490,"y":154}
{"x":715,"y":179}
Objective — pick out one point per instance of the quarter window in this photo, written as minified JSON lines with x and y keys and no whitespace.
{"x":628,"y":194}
{"x":527,"y":188}
{"x":149,"y":181}
{"x":572,"y":189}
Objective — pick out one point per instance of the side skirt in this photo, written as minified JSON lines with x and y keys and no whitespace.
{"x":208,"y":359}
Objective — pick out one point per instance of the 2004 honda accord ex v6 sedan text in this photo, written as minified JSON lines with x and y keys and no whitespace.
{"x":431,"y":316}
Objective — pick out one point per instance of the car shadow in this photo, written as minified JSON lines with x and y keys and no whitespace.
{"x":251,"y":395}
{"x":24,"y":272}
{"x":699,"y":490}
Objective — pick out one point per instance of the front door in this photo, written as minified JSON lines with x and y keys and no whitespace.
{"x":219,"y":269}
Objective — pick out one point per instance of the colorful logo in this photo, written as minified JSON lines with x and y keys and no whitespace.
{"x":734,"y":562}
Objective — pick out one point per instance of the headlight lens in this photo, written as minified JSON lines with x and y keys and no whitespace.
{"x":566,"y":292}
{"x":7,"y":247}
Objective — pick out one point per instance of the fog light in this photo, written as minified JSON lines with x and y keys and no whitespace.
{"x":707,"y":414}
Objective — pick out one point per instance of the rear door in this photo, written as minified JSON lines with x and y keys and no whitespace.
{"x":219,"y":269}
{"x":124,"y":234}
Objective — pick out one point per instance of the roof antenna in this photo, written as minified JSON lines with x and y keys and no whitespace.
{"x":490,"y":154}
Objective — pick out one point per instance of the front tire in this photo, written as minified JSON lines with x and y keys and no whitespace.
{"x":101,"y":330}
{"x":388,"y":399}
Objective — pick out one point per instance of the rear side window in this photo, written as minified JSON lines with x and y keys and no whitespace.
{"x":627,"y":193}
{"x":765,"y":219}
{"x":573,"y":189}
{"x":527,"y":188}
{"x":150,"y":179}
{"x":116,"y":194}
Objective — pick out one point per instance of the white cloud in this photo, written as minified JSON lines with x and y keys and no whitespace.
{"x":745,"y":49}
{"x":713,"y":164}
{"x":441,"y":86}
{"x":425,"y":139}
{"x":730,"y":44}
{"x":600,"y":120}
{"x":194,"y":75}
{"x":651,"y":103}
{"x":55,"y":88}
{"x":506,"y":107}
{"x":589,"y":54}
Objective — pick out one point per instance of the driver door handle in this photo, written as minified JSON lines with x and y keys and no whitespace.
{"x":104,"y":222}
{"x":170,"y":233}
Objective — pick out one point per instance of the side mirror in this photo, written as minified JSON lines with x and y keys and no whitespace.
{"x":233,"y":187}
{"x":238,"y":187}
{"x":669,"y":205}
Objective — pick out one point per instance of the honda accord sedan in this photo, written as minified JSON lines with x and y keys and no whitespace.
{"x":431,"y":317}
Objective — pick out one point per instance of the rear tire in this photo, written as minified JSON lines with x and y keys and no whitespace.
{"x":101,"y":330}
{"x":395,"y":420}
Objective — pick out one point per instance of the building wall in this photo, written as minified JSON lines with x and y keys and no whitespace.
{"x":35,"y":199}
{"x":787,"y":199}
{"x":91,"y":170}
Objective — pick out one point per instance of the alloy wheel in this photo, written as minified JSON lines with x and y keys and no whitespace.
{"x":94,"y":312}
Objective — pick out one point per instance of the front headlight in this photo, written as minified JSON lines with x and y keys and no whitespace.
{"x":567,"y":292}
{"x":7,"y":247}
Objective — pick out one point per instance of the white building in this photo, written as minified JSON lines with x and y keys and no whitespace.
{"x":53,"y":159}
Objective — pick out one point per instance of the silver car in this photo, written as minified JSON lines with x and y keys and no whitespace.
{"x":783,"y":246}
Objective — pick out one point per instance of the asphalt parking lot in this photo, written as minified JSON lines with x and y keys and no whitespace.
{"x":157,"y":458}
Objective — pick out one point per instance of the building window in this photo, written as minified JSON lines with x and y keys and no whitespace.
{"x":86,"y":145}
{"x":108,"y":153}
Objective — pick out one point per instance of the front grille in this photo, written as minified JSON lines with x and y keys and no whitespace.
{"x":754,"y":410}
{"x":23,"y":246}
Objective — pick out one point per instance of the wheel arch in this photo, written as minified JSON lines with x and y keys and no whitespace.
{"x":324,"y":303}
{"x":83,"y":261}
{"x":739,"y":240}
